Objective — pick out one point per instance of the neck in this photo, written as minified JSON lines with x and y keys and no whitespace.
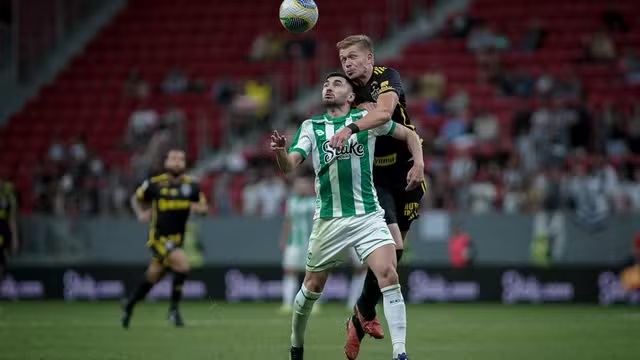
{"x":364,"y":79}
{"x":336,"y":111}
{"x":174,"y":178}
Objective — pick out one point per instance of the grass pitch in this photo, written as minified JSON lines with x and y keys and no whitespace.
{"x":91,"y":331}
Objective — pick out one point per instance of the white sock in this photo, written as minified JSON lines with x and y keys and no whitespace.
{"x":302,"y":306}
{"x":396,"y":314}
{"x":357,"y":282}
{"x":289,"y":287}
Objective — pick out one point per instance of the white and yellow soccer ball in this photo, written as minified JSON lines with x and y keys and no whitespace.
{"x":298,"y":16}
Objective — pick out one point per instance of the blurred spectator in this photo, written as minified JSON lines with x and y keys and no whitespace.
{"x":431,"y":89}
{"x":599,"y":47}
{"x":175,"y":81}
{"x":632,"y":190}
{"x":78,"y":150}
{"x":175,"y":120}
{"x":142,"y":121}
{"x":569,"y":86}
{"x":482,"y":194}
{"x":461,"y":25}
{"x":513,"y":181}
{"x":534,"y":36}
{"x":458,"y":102}
{"x":260,"y":92}
{"x":613,"y":19}
{"x":136,"y":86}
{"x":222,"y":194}
{"x":267,"y":47}
{"x":483,"y":37}
{"x":630,"y":66}
{"x":485,"y":127}
{"x":223,"y":91}
{"x":57,"y":151}
{"x":250,"y":195}
{"x":454,"y":128}
{"x":271,"y":193}
{"x":461,"y":249}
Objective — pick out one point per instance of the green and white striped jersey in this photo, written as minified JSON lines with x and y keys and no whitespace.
{"x":300,"y":210}
{"x":344,"y":181}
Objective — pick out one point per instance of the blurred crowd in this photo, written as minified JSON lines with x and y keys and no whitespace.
{"x":560,"y":153}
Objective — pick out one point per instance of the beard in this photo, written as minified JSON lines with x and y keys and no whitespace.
{"x":175,"y":172}
{"x":332,"y":102}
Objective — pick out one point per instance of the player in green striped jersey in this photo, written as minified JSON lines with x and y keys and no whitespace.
{"x":294,"y":239}
{"x":348,"y":214}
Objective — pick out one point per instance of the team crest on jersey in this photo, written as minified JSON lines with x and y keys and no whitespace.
{"x":375,"y":90}
{"x":343,"y":153}
{"x":185,"y":189}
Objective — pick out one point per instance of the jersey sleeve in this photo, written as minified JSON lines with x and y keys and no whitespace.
{"x":390,"y":80}
{"x":386,"y":129}
{"x":145,"y":191}
{"x":302,"y":143}
{"x":197,"y":196}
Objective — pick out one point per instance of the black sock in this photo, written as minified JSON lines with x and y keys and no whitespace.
{"x":141,"y":291}
{"x":371,"y":293}
{"x":176,"y":289}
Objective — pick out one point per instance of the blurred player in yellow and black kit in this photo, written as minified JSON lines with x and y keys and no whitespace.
{"x":166,"y":201}
{"x":379,"y":90}
{"x":8,"y":224}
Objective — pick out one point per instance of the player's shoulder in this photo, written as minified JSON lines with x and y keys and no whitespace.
{"x":384,"y":70}
{"x":159,"y":178}
{"x":188,"y":179}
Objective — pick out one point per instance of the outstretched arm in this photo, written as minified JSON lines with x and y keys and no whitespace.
{"x":415,"y":177}
{"x":376,"y":116}
{"x":287,"y":162}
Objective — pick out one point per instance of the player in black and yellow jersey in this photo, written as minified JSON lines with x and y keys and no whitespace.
{"x":379,"y":90}
{"x":166,"y":201}
{"x":8,"y":224}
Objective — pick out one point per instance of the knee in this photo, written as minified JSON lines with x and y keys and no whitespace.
{"x":313,"y":283}
{"x":387,"y":275}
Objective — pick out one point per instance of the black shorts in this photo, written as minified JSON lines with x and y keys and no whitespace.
{"x":401,"y":207}
{"x":162,"y":246}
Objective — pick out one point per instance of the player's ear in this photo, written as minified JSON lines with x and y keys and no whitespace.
{"x":351,"y":98}
{"x":370,"y":58}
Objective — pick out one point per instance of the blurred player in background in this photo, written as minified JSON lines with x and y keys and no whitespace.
{"x":294,"y":238}
{"x":8,"y":224}
{"x":348,"y":213}
{"x":166,"y":201}
{"x":294,"y":242}
{"x":379,"y":90}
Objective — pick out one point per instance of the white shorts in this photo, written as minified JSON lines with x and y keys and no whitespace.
{"x":331,"y":239}
{"x":294,"y":258}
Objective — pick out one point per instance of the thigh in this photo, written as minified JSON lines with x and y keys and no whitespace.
{"x":178,"y":261}
{"x":155,"y":271}
{"x":370,"y":233}
{"x":407,"y":205}
{"x":328,"y":244}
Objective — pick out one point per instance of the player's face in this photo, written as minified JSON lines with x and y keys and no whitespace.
{"x":336,"y":91}
{"x":176,"y":162}
{"x":355,"y":60}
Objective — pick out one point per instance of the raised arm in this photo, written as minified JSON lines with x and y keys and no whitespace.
{"x":300,"y":148}
{"x":415,"y":177}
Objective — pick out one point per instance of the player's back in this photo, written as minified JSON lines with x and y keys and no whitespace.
{"x":392,"y":157}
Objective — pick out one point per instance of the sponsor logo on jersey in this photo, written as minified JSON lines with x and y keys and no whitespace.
{"x":343,"y":153}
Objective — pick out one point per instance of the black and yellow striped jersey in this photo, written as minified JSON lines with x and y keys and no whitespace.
{"x":392,"y":157}
{"x":170,"y":203}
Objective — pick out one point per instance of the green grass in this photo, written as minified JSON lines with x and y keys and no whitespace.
{"x":87,"y":331}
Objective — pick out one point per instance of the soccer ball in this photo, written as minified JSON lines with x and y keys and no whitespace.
{"x":298,"y":16}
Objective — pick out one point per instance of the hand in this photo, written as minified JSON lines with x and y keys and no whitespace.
{"x":144,"y":216}
{"x":340,"y":138}
{"x":369,"y":106}
{"x":198,"y":208}
{"x":278,"y":141}
{"x":415,"y":177}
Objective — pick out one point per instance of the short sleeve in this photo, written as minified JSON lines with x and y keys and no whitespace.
{"x":197,"y":195}
{"x":386,"y":129}
{"x":145,"y":191}
{"x":390,"y":80}
{"x":302,"y":143}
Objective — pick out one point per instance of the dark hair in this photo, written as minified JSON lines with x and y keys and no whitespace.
{"x":342,"y":75}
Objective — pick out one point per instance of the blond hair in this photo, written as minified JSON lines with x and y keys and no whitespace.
{"x":361,"y":40}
